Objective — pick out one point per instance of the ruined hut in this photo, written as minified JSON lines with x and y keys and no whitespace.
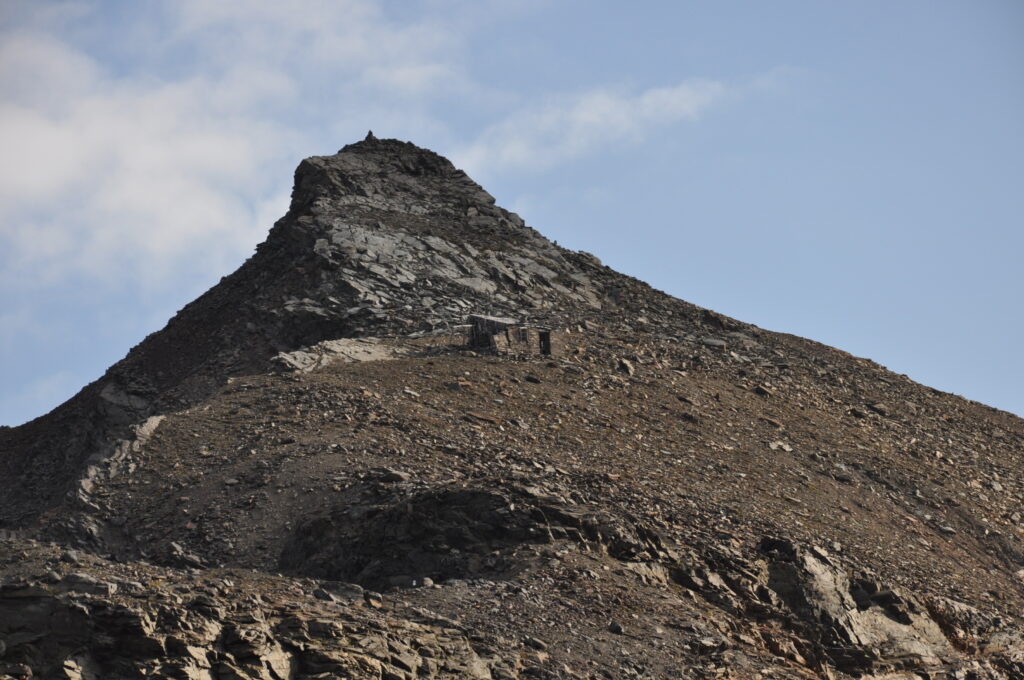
{"x":508,"y":336}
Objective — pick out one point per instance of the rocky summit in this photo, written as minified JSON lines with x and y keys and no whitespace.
{"x":412,"y":438}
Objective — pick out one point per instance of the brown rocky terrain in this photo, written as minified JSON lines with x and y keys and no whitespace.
{"x":310,"y":473}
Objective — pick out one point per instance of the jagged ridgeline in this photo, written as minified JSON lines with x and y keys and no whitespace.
{"x":412,"y":438}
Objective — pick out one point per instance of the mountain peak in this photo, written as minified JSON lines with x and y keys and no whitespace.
{"x":386,"y":146}
{"x":397,"y":152}
{"x":388,"y":174}
{"x":668,"y":493}
{"x":383,"y":238}
{"x":382,"y":215}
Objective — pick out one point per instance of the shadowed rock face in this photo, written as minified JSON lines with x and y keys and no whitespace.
{"x":441,"y":535}
{"x":305,"y":474}
{"x":453,"y":533}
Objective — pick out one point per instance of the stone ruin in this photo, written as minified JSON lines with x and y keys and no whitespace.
{"x":508,"y":336}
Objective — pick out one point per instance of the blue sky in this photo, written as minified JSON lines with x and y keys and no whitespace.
{"x":850,"y":172}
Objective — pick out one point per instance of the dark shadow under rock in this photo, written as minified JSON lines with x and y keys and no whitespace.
{"x":445,"y":534}
{"x":452,"y":533}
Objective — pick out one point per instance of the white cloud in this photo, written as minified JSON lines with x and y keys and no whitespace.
{"x":123,"y":182}
{"x":31,"y":59}
{"x":120,"y":172}
{"x":120,"y":175}
{"x":321,"y":39}
{"x":570,"y":127}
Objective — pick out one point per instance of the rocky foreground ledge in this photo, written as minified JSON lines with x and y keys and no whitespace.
{"x":66,"y":614}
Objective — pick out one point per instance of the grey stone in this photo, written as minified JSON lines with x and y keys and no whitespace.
{"x":478,"y":285}
{"x":390,"y":475}
{"x":859,"y":616}
{"x":536,"y":643}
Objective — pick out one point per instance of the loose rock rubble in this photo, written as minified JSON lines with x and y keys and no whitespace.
{"x":311,"y":472}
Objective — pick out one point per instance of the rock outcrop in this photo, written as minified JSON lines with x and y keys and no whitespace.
{"x":94,"y":620}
